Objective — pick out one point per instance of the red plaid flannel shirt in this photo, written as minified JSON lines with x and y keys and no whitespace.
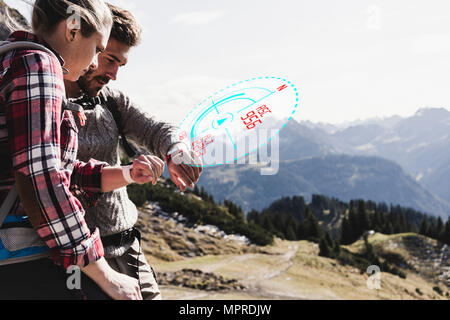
{"x":36,"y":142}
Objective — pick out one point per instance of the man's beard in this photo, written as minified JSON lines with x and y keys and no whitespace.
{"x":89,"y":85}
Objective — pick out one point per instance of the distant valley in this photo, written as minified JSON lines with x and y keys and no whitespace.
{"x":396,"y":160}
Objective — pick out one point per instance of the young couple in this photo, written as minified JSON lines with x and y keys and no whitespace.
{"x":60,"y":208}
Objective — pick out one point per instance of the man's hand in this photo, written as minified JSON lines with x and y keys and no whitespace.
{"x":184,"y":169}
{"x":146,"y":169}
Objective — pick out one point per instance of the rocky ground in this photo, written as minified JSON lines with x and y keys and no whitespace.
{"x":168,"y":237}
{"x":428,"y":257}
{"x":197,"y":279}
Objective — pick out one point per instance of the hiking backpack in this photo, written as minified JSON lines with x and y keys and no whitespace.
{"x":19,"y":242}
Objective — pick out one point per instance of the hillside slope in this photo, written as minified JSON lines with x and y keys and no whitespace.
{"x":200,"y":262}
{"x":293,"y":270}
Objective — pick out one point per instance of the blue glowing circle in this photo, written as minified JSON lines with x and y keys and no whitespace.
{"x":227,"y":118}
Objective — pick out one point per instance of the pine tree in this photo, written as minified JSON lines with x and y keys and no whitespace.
{"x":330,"y":241}
{"x":431,"y":230}
{"x":346,"y":232}
{"x":336,"y":249}
{"x":389,"y":228}
{"x":409,"y":227}
{"x":354,"y":225}
{"x":375,"y":220}
{"x":440,"y":228}
{"x":301,"y":234}
{"x":382,"y":207}
{"x":382,"y":220}
{"x":291,"y":227}
{"x":196,"y":191}
{"x":253,"y":215}
{"x":324,"y":249}
{"x":446,"y":237}
{"x":290,"y":234}
{"x":266,"y":223}
{"x":363,"y":219}
{"x":280,"y":223}
{"x":402,"y":222}
{"x":424,"y":226}
{"x":202,"y":192}
{"x":311,"y":225}
{"x":369,"y":252}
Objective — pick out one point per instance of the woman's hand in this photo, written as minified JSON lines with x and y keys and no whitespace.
{"x":122,"y":287}
{"x":147,"y":168}
{"x":144,"y":169}
{"x":117,"y":285}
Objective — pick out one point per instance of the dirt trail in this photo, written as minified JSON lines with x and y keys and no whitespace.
{"x":293,"y":270}
{"x":234,"y":259}
{"x":253,"y":282}
{"x":287,"y":257}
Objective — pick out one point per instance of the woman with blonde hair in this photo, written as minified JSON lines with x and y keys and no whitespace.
{"x":43,"y":235}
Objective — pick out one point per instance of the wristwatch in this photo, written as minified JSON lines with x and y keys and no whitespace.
{"x":126,"y":171}
{"x":173,"y":149}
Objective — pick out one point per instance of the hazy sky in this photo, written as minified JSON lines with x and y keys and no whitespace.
{"x":350,"y":59}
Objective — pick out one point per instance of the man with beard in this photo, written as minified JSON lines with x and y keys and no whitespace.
{"x":110,"y":116}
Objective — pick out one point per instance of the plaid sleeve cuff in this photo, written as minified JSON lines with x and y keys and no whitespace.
{"x":86,"y":180}
{"x":87,"y":251}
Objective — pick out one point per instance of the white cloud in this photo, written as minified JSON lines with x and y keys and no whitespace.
{"x":197,"y":17}
{"x":431,"y":44}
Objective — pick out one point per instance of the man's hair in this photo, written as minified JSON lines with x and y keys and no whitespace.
{"x":125,"y":27}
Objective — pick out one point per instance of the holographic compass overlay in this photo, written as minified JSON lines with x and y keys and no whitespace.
{"x":223,"y":124}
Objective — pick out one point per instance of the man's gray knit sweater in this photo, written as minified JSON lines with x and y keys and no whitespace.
{"x":99,"y":139}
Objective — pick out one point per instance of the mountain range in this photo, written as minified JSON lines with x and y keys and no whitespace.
{"x":395,"y":160}
{"x":420,"y":144}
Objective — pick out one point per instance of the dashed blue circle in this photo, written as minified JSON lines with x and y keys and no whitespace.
{"x":234,"y":84}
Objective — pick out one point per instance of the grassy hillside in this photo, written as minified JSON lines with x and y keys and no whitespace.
{"x":166,"y":239}
{"x":197,"y":261}
{"x":199,"y":209}
{"x":294,"y":270}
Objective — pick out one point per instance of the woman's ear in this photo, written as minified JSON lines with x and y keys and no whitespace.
{"x":71,"y":34}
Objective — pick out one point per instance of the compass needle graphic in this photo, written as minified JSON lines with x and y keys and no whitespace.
{"x":228,"y":117}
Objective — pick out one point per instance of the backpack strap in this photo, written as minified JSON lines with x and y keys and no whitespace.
{"x":6,"y":46}
{"x":111,"y":104}
{"x":8,"y":203}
